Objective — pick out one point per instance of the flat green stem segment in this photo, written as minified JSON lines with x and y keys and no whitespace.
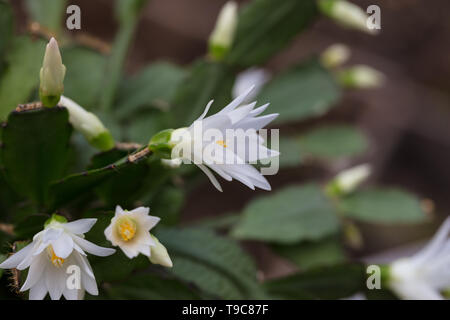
{"x":35,"y":150}
{"x":72,"y":186}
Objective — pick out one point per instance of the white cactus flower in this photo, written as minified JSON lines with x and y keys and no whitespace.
{"x":130,"y":230}
{"x":227,"y":142}
{"x":426,"y":274}
{"x":50,"y":255}
{"x":52,"y":75}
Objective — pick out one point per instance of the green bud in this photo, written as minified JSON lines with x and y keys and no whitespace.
{"x":360,"y":77}
{"x":161,"y":143}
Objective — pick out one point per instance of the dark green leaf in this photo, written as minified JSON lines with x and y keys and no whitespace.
{"x":35,"y":150}
{"x":306,"y":91}
{"x":267,"y":26}
{"x":333,"y":141}
{"x":85,"y":70}
{"x":72,"y":186}
{"x":215,"y":264}
{"x":6,"y":29}
{"x":21,"y":76}
{"x":153,"y":86}
{"x":291,"y":154}
{"x":146,"y":286}
{"x":207,"y":81}
{"x":29,"y":226}
{"x":382,"y":206}
{"x":307,"y":255}
{"x":292,"y":214}
{"x":334,"y":282}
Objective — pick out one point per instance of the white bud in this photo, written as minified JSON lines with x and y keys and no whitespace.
{"x":348,"y":180}
{"x":347,"y":14}
{"x":335,"y":55}
{"x":88,"y":124}
{"x":172,"y":163}
{"x":361,"y":76}
{"x":52,"y":75}
{"x":159,"y":255}
{"x":222,"y":36}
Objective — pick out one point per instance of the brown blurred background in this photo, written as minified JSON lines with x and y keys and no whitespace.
{"x":407,"y":121}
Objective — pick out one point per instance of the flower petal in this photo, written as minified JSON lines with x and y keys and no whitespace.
{"x":93,"y":248}
{"x":80,"y":226}
{"x":63,"y":246}
{"x":14,"y":260}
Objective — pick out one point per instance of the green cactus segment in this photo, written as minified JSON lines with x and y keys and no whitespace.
{"x":72,"y":186}
{"x":35,"y":150}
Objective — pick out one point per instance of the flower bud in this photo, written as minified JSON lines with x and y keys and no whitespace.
{"x":360,"y":77}
{"x":222,"y":36}
{"x":348,"y":180}
{"x":172,"y":163}
{"x":159,"y":255}
{"x":52,"y":75}
{"x":88,"y":124}
{"x":335,"y":56}
{"x":347,"y":14}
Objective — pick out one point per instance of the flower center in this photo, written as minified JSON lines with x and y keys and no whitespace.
{"x":126,"y":228}
{"x":56,"y":261}
{"x":221,"y":143}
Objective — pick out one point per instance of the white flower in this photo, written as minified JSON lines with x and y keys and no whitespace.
{"x":361,"y":76}
{"x":222,"y":36}
{"x":227,"y":142}
{"x":257,"y":77}
{"x":346,"y":14}
{"x":50,"y":254}
{"x":88,"y":124}
{"x":335,"y":55}
{"x":424,"y":275}
{"x":130,"y":230}
{"x":52,"y":74}
{"x":348,"y":180}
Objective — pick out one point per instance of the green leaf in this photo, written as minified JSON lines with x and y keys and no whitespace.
{"x":154,"y":86}
{"x":333,"y":141}
{"x":35,"y":150}
{"x":291,"y":154}
{"x":292,"y":214}
{"x":387,"y":205}
{"x":335,"y":282}
{"x":49,"y":13}
{"x":21,"y":76}
{"x":167,"y":204}
{"x":72,"y":186}
{"x":6,"y":29}
{"x":305,"y":91}
{"x":267,"y":26}
{"x":307,"y":255}
{"x":84,"y":76}
{"x":28,"y":227}
{"x":215,"y":264}
{"x":146,"y":286}
{"x":207,"y":81}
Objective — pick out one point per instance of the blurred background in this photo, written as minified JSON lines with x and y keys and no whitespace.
{"x":406,"y":121}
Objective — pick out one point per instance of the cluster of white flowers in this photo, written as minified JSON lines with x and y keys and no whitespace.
{"x":55,"y":250}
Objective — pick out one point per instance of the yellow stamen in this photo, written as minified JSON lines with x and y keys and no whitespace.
{"x":56,"y":261}
{"x":126,"y":228}
{"x":221,"y":143}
